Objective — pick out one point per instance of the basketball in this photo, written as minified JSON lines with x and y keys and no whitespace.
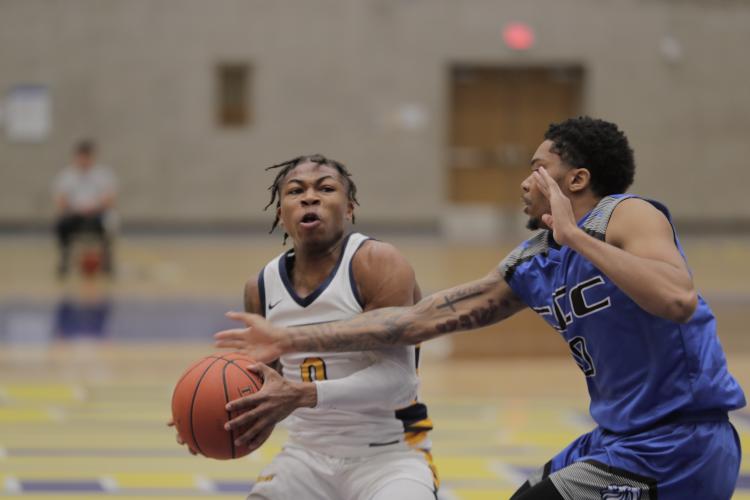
{"x":199,"y":400}
{"x":90,"y":262}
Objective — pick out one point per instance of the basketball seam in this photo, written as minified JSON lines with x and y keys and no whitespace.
{"x":249,"y":377}
{"x":192,"y":403}
{"x":190,"y":370}
{"x":226,"y":400}
{"x":226,"y":393}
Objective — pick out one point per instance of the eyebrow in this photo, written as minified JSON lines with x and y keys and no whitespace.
{"x":317,"y":181}
{"x":535,"y":160}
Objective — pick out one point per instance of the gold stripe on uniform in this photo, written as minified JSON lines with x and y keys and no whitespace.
{"x":433,"y":468}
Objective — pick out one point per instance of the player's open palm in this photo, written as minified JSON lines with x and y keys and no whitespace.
{"x":260,"y":340}
{"x":561,"y":220}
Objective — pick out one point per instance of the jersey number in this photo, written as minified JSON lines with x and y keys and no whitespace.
{"x":581,"y":356}
{"x":313,"y":369}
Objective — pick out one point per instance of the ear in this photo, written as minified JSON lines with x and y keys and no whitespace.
{"x":579,"y":180}
{"x":278,"y":216}
{"x":349,"y":211}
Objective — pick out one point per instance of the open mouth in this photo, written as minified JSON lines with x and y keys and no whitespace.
{"x":310,"y":220}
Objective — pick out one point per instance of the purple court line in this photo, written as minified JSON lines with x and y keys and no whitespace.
{"x":92,"y":486}
{"x":233,"y":486}
{"x":83,"y":452}
{"x":40,"y":486}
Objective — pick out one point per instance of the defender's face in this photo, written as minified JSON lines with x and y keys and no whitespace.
{"x":314,"y":204}
{"x":84,"y":161}
{"x":535,"y":203}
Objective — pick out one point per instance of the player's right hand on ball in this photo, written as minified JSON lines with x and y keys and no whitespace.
{"x":260,"y":340}
{"x":179,"y":439}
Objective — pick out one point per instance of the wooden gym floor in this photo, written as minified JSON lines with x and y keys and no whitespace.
{"x":83,"y":415}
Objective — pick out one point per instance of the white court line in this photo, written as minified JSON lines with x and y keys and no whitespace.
{"x":79,"y":393}
{"x":12,"y":485}
{"x":205,"y":484}
{"x":57,"y":414}
{"x":446,"y":494}
{"x":109,"y":484}
{"x":506,"y":472}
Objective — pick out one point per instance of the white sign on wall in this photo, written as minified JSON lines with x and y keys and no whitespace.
{"x":27,"y":112}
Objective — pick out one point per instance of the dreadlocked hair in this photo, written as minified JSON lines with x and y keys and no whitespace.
{"x":289,"y":165}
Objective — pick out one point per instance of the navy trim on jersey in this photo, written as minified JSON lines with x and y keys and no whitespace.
{"x":352,"y":282}
{"x":547,"y":470}
{"x":262,"y":292}
{"x":306,"y":301}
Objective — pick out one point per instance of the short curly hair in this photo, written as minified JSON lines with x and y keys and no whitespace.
{"x":600,"y":147}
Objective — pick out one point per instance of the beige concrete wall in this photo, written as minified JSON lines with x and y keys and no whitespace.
{"x":331,"y":76}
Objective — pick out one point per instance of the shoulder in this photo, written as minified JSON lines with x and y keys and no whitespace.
{"x":374,"y":255}
{"x":383,"y":275}
{"x":538,"y":244}
{"x":104,"y":172}
{"x":636,"y":216}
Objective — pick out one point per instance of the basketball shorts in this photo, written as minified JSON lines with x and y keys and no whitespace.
{"x":669,"y":462}
{"x":298,"y":472}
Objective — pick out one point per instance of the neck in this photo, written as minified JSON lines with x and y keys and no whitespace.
{"x":316,"y":261}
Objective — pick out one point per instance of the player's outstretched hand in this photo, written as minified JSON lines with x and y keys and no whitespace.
{"x":561,"y":221}
{"x":179,"y":439}
{"x":259,"y":339}
{"x":262,"y":410}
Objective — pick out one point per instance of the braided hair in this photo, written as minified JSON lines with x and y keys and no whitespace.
{"x":289,"y":165}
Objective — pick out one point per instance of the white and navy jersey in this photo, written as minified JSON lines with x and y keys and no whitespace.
{"x":332,"y":431}
{"x":639,"y":368}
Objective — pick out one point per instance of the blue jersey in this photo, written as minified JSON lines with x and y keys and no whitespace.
{"x":639,"y":368}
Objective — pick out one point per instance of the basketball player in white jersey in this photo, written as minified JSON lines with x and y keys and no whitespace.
{"x":346,"y":438}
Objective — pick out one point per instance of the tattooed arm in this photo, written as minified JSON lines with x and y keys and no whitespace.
{"x":464,"y":307}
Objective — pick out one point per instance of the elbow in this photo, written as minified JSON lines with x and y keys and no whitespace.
{"x":684,"y":307}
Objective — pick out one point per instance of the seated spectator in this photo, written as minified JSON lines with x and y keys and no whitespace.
{"x":84,"y":195}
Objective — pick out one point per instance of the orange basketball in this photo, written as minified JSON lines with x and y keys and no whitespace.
{"x":199,"y":400}
{"x":90,"y":262}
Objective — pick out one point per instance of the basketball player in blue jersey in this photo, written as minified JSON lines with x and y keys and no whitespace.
{"x":355,"y":428}
{"x":608,"y":273}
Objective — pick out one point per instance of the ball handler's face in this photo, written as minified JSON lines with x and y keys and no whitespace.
{"x":535,"y":203}
{"x":314,"y":205}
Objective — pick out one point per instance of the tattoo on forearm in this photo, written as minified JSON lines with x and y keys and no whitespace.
{"x":433,"y":316}
{"x":477,"y":317}
{"x":380,"y":327}
{"x":452,"y":299}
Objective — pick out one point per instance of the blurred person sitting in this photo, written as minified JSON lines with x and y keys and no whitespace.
{"x":84,"y":194}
